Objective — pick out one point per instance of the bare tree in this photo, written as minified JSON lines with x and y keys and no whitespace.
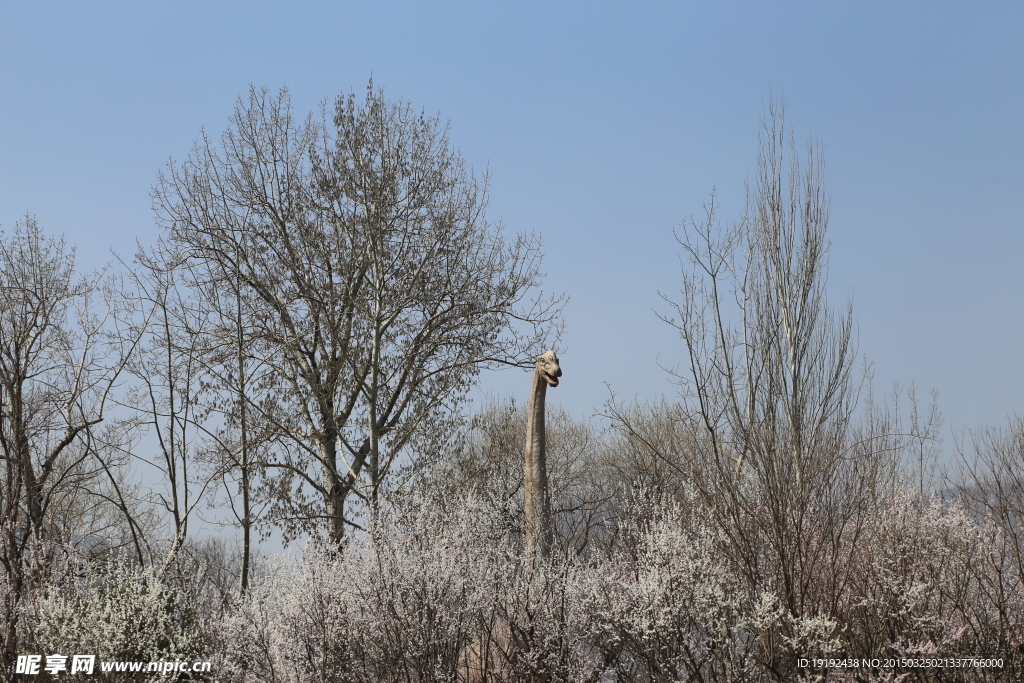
{"x":768,"y":392}
{"x":230,"y":373}
{"x":774,"y":387}
{"x":59,"y":360}
{"x":373,"y":287}
{"x":167,"y":399}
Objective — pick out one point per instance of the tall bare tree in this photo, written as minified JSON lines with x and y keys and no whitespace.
{"x":773,"y":387}
{"x":171,"y":371}
{"x":769,"y":392}
{"x":229,"y":373}
{"x":373,"y":288}
{"x":59,"y":360}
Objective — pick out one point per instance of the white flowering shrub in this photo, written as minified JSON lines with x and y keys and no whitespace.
{"x":295,"y":624}
{"x":665,"y":606}
{"x":443,"y":593}
{"x":442,"y":596}
{"x":116,"y":611}
{"x":401,"y":603}
{"x":930,"y":583}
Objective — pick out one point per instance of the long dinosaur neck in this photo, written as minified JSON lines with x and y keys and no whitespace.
{"x":537,"y":504}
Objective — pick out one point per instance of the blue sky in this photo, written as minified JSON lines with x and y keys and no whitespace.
{"x":603,"y":126}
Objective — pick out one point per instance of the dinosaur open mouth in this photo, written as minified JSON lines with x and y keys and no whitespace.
{"x":552,"y":380}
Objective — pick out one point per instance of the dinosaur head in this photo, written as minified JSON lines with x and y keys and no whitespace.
{"x":547,"y":366}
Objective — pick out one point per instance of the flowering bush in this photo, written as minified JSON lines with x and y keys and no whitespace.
{"x":666,"y":605}
{"x":443,"y":593}
{"x":400,"y":603}
{"x":115,"y":610}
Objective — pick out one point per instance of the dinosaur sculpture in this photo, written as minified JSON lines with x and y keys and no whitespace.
{"x":491,"y":657}
{"x":537,"y":502}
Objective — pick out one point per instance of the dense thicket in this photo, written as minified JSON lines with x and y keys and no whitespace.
{"x":292,"y":357}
